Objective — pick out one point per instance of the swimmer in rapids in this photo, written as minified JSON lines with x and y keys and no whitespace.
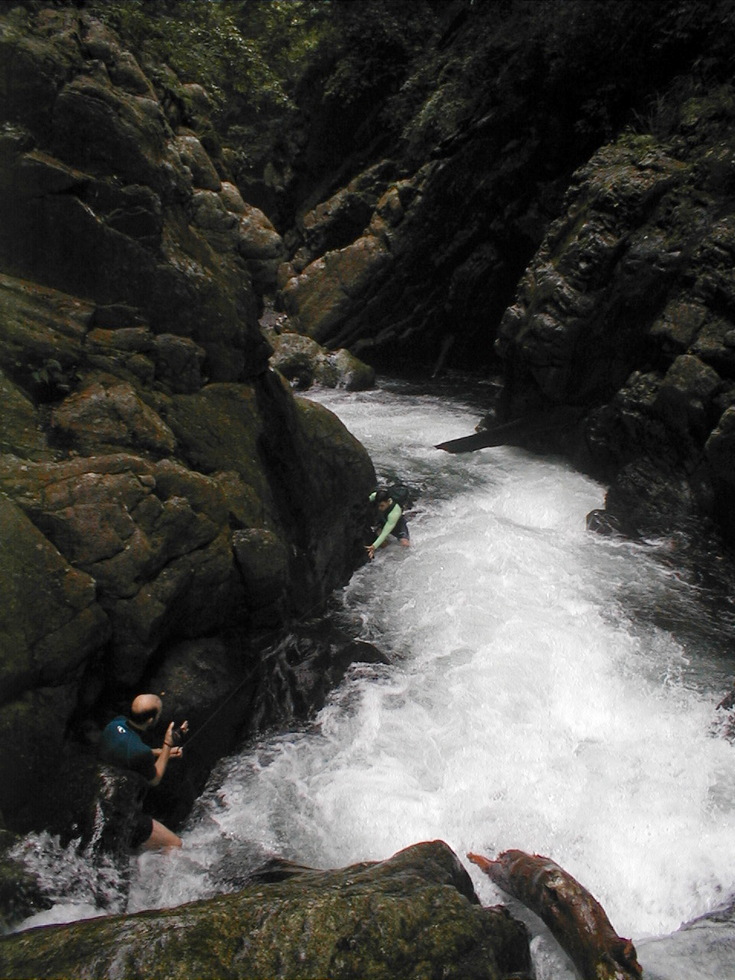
{"x":390,"y":516}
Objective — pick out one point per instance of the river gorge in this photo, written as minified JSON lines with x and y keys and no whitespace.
{"x":549,"y":689}
{"x":255,"y":258}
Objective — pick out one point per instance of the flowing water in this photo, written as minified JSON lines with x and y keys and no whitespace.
{"x":550,"y":690}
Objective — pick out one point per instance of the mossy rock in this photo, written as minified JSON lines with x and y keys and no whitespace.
{"x":414,"y":916}
{"x":304,"y":363}
{"x":50,"y":621}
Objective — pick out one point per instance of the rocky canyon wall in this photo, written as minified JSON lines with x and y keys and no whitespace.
{"x":557,"y":211}
{"x":163,"y":494}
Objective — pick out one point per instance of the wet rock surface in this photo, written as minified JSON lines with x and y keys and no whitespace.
{"x":618,"y":314}
{"x":304,"y":363}
{"x":161,"y":488}
{"x":408,"y":916}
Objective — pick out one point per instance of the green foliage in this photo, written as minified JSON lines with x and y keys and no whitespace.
{"x":373,"y":46}
{"x":424,"y":72}
{"x":286,"y":33}
{"x":689,"y":102}
{"x":592,"y":65}
{"x":242,"y":51}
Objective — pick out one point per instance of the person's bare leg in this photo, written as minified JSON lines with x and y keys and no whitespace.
{"x":161,"y":837}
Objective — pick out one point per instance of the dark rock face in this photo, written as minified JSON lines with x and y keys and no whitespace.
{"x":161,"y":489}
{"x":413,"y":915}
{"x":101,"y":198}
{"x":625,"y":311}
{"x":511,"y":222}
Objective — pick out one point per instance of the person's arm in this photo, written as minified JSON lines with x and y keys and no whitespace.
{"x":175,"y":752}
{"x":390,"y":522}
{"x":164,"y":754}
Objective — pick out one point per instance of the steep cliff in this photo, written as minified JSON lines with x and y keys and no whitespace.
{"x":159,"y":484}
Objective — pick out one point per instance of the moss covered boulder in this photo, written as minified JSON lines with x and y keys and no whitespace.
{"x":126,"y":202}
{"x":415,"y":915}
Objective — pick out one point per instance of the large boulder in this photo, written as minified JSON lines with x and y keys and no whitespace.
{"x":262,"y":248}
{"x":331,"y":299}
{"x":584,"y":305}
{"x":110,"y":416}
{"x":342,"y":218}
{"x":149,"y":536}
{"x":126,"y":555}
{"x":293,"y":468}
{"x":51,"y":619}
{"x":323,"y":296}
{"x":411,"y":916}
{"x":52,"y":630}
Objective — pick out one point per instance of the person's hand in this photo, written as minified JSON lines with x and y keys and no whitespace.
{"x":175,"y":751}
{"x":178,"y":750}
{"x":168,"y":738}
{"x":370,"y":550}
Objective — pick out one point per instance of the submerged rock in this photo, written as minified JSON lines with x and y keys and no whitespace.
{"x":412,"y":916}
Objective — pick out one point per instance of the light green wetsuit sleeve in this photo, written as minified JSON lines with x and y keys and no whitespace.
{"x":393,"y":514}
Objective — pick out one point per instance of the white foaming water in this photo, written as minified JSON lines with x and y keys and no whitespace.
{"x":77,"y":883}
{"x":523,"y":707}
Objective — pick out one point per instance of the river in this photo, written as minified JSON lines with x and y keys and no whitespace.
{"x":550,"y":690}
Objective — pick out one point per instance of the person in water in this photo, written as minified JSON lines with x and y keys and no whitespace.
{"x":121,"y":745}
{"x":390,"y":515}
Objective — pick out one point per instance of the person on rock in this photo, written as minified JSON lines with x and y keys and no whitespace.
{"x":121,"y":745}
{"x":390,"y":516}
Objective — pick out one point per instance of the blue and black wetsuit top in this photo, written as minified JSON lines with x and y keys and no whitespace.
{"x":122,"y":746}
